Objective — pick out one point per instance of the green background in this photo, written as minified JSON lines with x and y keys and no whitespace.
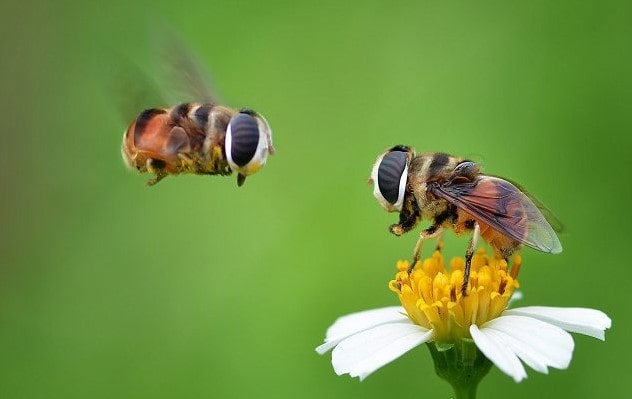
{"x":196,"y":288}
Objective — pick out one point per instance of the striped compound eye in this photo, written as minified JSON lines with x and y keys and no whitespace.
{"x":247,"y":144}
{"x":389,"y":177}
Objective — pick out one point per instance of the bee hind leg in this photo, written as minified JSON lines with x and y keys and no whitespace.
{"x":156,"y":167}
{"x":440,"y":244}
{"x":468,"y":257}
{"x":159,"y":177}
{"x":431,"y":232}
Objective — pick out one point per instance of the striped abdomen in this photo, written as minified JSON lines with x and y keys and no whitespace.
{"x":182,"y":138}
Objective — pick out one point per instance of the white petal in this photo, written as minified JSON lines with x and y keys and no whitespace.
{"x":495,"y":349}
{"x":354,"y":323}
{"x":537,"y":343}
{"x":590,"y":322}
{"x":515,"y":297}
{"x":361,"y":354}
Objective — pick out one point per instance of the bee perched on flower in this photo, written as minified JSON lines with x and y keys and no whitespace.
{"x":465,"y":334}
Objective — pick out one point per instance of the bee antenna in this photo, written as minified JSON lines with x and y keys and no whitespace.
{"x":247,"y":111}
{"x":400,"y":147}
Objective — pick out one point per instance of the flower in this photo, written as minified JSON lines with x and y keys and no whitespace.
{"x":434,"y":311}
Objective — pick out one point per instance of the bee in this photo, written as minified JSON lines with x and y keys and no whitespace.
{"x":456,"y":195}
{"x":202,"y":137}
{"x":206,"y":139}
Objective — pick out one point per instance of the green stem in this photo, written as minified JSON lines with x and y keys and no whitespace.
{"x":461,"y":364}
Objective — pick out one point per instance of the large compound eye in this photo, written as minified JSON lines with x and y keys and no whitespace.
{"x":246,"y":146}
{"x":389,"y":176}
{"x":242,"y":138}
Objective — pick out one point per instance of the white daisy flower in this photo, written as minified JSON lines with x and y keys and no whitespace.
{"x":435,"y":311}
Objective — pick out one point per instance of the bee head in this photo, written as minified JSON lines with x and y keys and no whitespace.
{"x":248,"y":143}
{"x":389,"y":177}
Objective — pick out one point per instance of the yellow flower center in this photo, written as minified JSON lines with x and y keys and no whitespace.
{"x":432,"y":296}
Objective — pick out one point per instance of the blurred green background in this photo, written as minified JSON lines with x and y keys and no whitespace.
{"x":196,"y":288}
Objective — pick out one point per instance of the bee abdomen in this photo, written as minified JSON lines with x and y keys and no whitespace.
{"x":143,"y":120}
{"x":201,"y":115}
{"x":179,"y":112}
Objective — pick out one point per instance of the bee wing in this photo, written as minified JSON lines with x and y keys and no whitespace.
{"x":504,"y":207}
{"x":182,"y":71}
{"x":550,"y":217}
{"x":131,"y":89}
{"x":167,"y":74}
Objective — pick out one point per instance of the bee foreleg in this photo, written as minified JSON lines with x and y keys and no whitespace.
{"x":431,"y":232}
{"x":468,"y":257}
{"x":408,"y":217}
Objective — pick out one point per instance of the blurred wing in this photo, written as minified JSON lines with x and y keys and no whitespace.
{"x":131,"y":89}
{"x":504,"y":207}
{"x":182,"y":71}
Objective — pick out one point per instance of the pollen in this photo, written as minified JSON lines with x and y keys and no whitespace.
{"x":431,"y":295}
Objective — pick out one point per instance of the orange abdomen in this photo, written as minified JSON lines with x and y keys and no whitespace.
{"x":503,"y":245}
{"x":149,"y":136}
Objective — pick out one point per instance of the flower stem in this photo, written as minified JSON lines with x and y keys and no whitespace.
{"x":461,"y":364}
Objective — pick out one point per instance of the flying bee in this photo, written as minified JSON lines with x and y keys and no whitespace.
{"x":201,"y":137}
{"x":454,"y":194}
{"x":207,"y":139}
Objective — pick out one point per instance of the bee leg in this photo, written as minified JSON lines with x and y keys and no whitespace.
{"x":515,"y":269}
{"x":431,"y":232}
{"x":156,"y":167}
{"x":408,"y":217}
{"x":468,"y":257}
{"x":439,"y":246}
{"x":186,"y":162}
{"x":159,"y":176}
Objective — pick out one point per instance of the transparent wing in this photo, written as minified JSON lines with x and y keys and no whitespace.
{"x":130,"y":89}
{"x":504,"y":207}
{"x":164,"y":74}
{"x":553,"y":220}
{"x":181,"y":70}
